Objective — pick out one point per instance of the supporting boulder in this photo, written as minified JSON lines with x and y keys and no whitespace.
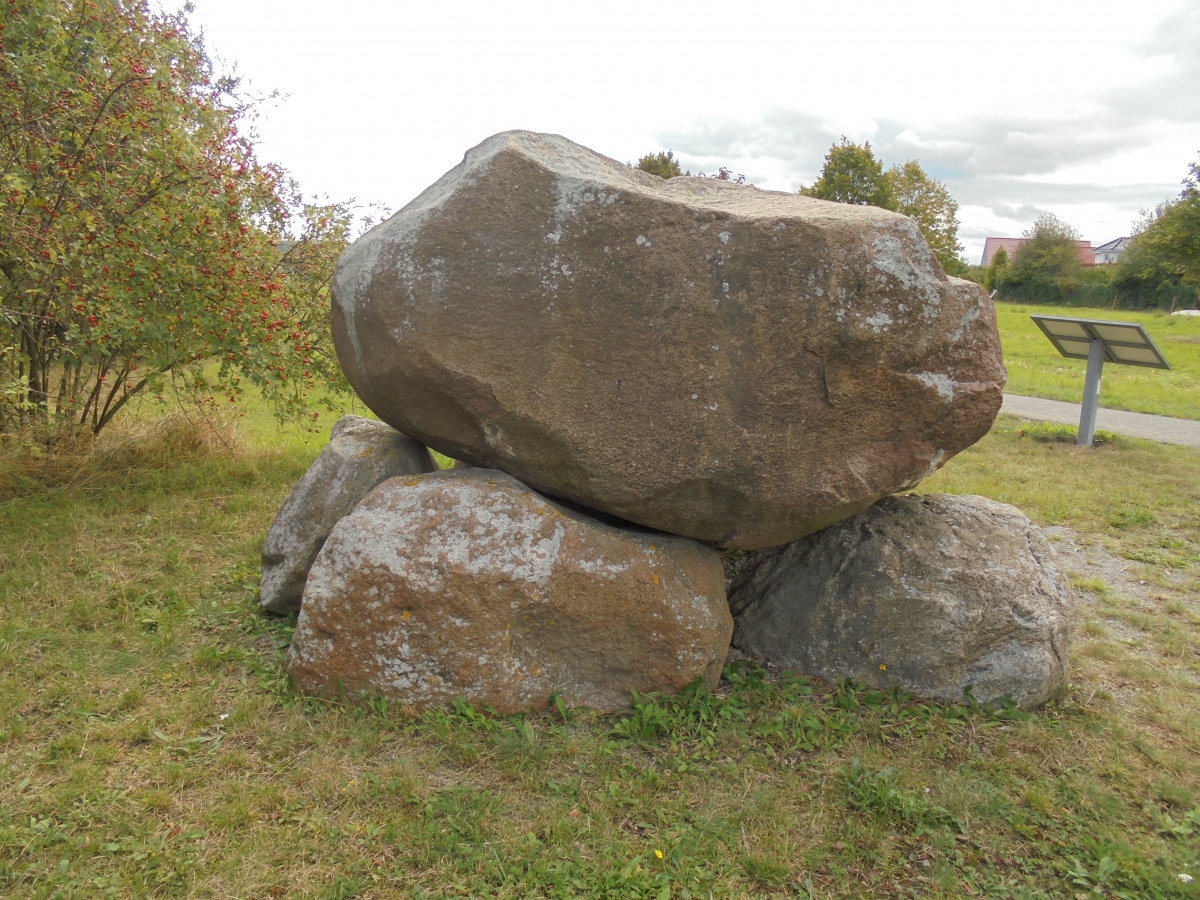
{"x":467,"y":584}
{"x":708,"y":359}
{"x":361,"y":453}
{"x":932,"y":593}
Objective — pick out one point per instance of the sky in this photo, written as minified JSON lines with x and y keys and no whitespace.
{"x":1089,"y":111}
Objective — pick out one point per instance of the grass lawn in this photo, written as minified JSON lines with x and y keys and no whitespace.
{"x":1036,"y":369}
{"x":150,"y":745}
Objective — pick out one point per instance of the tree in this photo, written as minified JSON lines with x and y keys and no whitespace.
{"x":852,"y":174}
{"x":1174,"y":241}
{"x":998,"y":269}
{"x":1165,"y":252}
{"x":664,"y":165}
{"x":140,"y":238}
{"x":927,"y":202}
{"x":1148,"y":217}
{"x":1049,"y":250}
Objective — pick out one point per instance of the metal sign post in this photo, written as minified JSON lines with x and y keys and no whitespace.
{"x":1098,"y":342}
{"x":1091,"y":395}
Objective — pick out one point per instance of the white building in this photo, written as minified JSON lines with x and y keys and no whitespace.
{"x":1110,"y":252}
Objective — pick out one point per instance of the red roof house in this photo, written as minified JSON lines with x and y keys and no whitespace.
{"x":1011,"y":245}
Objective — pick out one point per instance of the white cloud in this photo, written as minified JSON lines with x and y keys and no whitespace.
{"x":1082,"y":155}
{"x":1091,"y":113}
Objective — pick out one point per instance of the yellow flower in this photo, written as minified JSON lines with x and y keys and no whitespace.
{"x":882,"y":667}
{"x":658,"y":853}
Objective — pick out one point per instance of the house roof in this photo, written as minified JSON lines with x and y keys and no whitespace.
{"x":992,"y":244}
{"x":1116,"y":245}
{"x":1011,"y":245}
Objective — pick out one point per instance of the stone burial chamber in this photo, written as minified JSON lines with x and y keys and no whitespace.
{"x":632,"y":374}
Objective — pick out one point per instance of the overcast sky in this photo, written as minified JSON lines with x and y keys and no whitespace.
{"x":1087,"y":110}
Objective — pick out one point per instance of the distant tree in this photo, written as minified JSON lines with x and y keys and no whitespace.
{"x":1148,"y":217}
{"x":958,"y":267}
{"x":664,"y":165}
{"x":975,"y":273}
{"x":927,"y":202}
{"x":1166,"y":250}
{"x":1049,"y":250}
{"x":1179,"y":229}
{"x":852,"y":174}
{"x":998,"y":269}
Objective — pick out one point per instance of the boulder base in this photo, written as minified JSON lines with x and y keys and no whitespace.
{"x":468,"y":584}
{"x":361,"y":453}
{"x":933,"y":593}
{"x":709,"y":359}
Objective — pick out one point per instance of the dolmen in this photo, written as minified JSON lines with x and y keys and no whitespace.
{"x":635,"y":374}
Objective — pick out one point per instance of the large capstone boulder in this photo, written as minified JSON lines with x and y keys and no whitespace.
{"x":709,"y":359}
{"x":935,"y":594}
{"x":467,"y":584}
{"x":360,"y":454}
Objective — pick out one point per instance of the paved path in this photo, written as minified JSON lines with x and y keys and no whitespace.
{"x":1164,"y":429}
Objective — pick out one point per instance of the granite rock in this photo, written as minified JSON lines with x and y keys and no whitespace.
{"x":361,"y":453}
{"x":709,"y":359}
{"x":467,"y":584}
{"x":932,"y":593}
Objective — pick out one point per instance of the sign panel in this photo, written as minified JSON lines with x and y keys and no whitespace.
{"x":1124,"y":342}
{"x":1099,"y":342}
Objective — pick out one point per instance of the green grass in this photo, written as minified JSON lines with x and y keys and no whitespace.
{"x":1036,"y":369}
{"x":150,"y":745}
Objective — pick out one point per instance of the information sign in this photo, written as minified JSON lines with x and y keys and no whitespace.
{"x":1099,"y":342}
